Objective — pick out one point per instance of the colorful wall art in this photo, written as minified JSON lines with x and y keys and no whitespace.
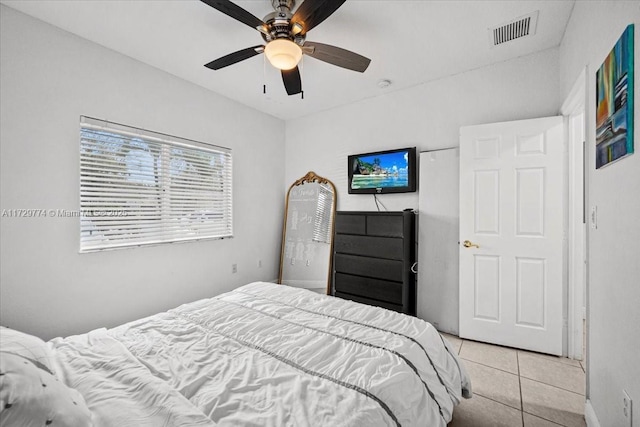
{"x":614,"y":102}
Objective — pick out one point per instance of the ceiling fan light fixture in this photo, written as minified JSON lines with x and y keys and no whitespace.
{"x":283,"y":53}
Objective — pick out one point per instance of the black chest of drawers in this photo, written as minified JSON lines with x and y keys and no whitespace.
{"x":374,"y":255}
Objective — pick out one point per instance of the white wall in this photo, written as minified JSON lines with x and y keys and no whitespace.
{"x":48,"y":79}
{"x":427,"y":116}
{"x":613,"y":342}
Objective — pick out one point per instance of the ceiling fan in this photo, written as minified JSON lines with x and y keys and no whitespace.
{"x":285,"y":35}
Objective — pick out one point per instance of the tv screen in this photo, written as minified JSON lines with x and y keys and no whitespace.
{"x":392,"y":171}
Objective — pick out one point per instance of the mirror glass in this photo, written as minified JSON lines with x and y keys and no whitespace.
{"x":307,"y":237}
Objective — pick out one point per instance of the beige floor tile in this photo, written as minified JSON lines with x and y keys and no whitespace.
{"x":453,"y":340}
{"x":481,"y":412}
{"x":494,"y":384}
{"x":533,"y":421}
{"x":551,"y":372}
{"x":551,"y":403}
{"x":491,"y":355}
{"x":583,"y":364}
{"x":557,"y":359}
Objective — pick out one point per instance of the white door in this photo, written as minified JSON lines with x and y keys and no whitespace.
{"x":511,"y":207}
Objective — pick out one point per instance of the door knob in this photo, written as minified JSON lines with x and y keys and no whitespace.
{"x":468,"y":244}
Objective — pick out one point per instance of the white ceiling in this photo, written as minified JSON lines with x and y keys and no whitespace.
{"x":409,"y":42}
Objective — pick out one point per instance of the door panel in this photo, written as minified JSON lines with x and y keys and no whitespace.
{"x":530,"y":197}
{"x":487,"y":287}
{"x":487,"y":202}
{"x":531,"y":284}
{"x":511,"y":207}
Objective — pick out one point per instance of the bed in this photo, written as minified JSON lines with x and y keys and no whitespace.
{"x":260,"y":355}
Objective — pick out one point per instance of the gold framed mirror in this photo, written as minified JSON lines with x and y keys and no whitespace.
{"x":306,"y":255}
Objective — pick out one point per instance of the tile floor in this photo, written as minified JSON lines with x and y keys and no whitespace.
{"x":519,"y":388}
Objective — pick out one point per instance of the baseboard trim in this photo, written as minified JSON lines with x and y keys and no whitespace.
{"x":590,"y":415}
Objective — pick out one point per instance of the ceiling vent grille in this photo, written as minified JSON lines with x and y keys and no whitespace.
{"x":523,"y":26}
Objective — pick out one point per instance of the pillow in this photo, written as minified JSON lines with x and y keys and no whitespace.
{"x":27,"y":346}
{"x":30,"y":396}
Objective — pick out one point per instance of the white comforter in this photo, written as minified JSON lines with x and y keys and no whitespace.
{"x":266,"y":355}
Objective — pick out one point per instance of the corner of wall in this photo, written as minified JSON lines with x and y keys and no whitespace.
{"x":590,"y":415}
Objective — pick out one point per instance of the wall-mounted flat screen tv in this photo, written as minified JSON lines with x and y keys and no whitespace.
{"x":392,"y":171}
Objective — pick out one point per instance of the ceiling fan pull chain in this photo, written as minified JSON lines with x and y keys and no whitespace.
{"x":264,"y":75}
{"x":302,"y":94}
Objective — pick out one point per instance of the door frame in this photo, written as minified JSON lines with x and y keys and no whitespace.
{"x":572,"y":108}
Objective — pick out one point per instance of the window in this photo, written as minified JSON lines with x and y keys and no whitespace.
{"x":139,"y":188}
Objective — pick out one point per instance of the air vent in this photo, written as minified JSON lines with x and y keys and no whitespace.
{"x":523,"y":26}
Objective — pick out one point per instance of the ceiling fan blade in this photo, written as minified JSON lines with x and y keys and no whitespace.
{"x":313,"y":12}
{"x":336,"y":56}
{"x":234,"y":57}
{"x":236,"y":12}
{"x":292,"y":81}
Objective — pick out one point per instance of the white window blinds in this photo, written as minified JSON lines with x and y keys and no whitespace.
{"x":324,"y":214}
{"x":139,"y":187}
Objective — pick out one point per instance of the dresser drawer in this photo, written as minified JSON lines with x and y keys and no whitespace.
{"x":372,"y":288}
{"x":385,"y":225}
{"x":378,"y":247}
{"x":369,"y":267}
{"x":369,"y":301}
{"x":351,"y":224}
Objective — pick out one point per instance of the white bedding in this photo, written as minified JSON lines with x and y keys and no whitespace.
{"x":266,"y":355}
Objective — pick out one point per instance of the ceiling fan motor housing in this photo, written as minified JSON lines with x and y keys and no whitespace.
{"x":282,"y":5}
{"x":279,"y":25}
